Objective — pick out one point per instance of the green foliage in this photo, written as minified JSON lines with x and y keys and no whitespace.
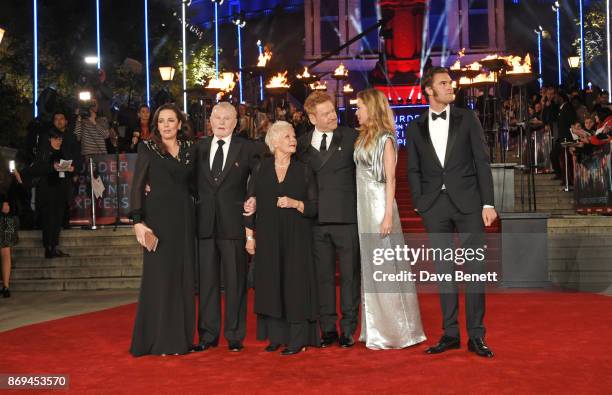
{"x":594,"y":33}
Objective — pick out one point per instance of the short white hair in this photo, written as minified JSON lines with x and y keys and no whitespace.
{"x":224,"y":105}
{"x":274,"y":131}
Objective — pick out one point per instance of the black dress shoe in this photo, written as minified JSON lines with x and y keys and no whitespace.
{"x":6,"y":293}
{"x":328,"y":339}
{"x":289,"y":351}
{"x":478,"y":346}
{"x":49,"y":253}
{"x":202,"y":347}
{"x":60,"y":254}
{"x":346,"y":341}
{"x":272,"y":347}
{"x":235,"y":346}
{"x":446,"y":343}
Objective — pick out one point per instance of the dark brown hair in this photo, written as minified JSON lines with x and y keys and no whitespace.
{"x":428,"y":76}
{"x":156,"y":136}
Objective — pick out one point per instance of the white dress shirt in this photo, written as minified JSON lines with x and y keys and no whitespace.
{"x":318,"y":136}
{"x":214,"y":146}
{"x":438,"y":130}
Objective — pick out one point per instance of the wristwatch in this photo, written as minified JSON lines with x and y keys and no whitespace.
{"x":250,"y":238}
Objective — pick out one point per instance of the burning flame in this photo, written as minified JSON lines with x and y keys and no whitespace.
{"x":304,"y":75}
{"x":341,"y":71}
{"x":226,"y":83}
{"x":519,"y":65}
{"x":319,"y":86}
{"x":264,"y":57}
{"x":278,"y":81}
{"x":461,"y":53}
{"x":347,"y":88}
{"x":456,"y":65}
{"x":480,"y":78}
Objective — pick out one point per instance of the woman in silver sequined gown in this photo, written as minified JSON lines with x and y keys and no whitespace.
{"x":390,"y":316}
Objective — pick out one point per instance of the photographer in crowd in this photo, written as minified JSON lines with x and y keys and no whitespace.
{"x":92,"y":131}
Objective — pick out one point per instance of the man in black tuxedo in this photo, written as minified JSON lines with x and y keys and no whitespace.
{"x":223,"y":165}
{"x":328,"y":149}
{"x":452,"y":188}
{"x":566,"y":118}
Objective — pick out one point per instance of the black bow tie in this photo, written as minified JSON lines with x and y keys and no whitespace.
{"x":435,"y":116}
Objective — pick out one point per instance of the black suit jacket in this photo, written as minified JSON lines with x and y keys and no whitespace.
{"x":220,"y":202}
{"x":335,"y":172}
{"x":467,"y":171}
{"x":567,"y":117}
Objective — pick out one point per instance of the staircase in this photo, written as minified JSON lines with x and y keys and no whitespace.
{"x":99,"y":259}
{"x":411,"y":222}
{"x":550,"y":196}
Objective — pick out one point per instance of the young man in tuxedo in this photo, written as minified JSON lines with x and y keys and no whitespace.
{"x":223,"y":164}
{"x":452,"y":188}
{"x":328,"y":149}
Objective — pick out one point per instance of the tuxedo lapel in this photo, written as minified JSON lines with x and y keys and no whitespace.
{"x":205,"y":160}
{"x":309,"y":153}
{"x":424,"y":127}
{"x":453,"y":128}
{"x":232,"y":155}
{"x":333,"y":147}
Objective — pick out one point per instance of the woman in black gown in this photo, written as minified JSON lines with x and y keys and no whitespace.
{"x":165,"y":319}
{"x":284,"y":277}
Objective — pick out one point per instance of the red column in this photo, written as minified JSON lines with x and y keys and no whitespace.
{"x":403,"y":44}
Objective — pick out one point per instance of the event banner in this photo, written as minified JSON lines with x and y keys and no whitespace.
{"x":592,"y":182}
{"x":403,"y":116}
{"x":112,"y":180}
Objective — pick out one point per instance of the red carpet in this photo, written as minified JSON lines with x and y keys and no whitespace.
{"x":545,"y":342}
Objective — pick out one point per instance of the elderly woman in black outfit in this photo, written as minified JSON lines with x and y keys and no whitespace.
{"x":285,"y":294}
{"x":165,"y":319}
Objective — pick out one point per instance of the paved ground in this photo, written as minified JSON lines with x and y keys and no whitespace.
{"x":25,"y":308}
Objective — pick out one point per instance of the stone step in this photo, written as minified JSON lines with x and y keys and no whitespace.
{"x":76,"y":284}
{"x":87,"y":261}
{"x":81,"y":233}
{"x":19,"y":252}
{"x":581,"y":221}
{"x":77,"y":272}
{"x":65,"y":241}
{"x":581,"y":253}
{"x":586,"y":230}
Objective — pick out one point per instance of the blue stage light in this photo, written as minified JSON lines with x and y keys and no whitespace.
{"x":98,"y":32}
{"x":582,"y":47}
{"x":35,"y":87}
{"x":147,"y":65}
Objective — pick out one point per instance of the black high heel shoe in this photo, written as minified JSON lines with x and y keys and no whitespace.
{"x":288,"y":351}
{"x":272,"y":347}
{"x":6,"y":293}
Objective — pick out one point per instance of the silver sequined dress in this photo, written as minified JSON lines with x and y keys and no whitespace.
{"x":390,"y":316}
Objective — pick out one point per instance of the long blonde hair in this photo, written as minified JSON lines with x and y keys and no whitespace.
{"x":380,"y":117}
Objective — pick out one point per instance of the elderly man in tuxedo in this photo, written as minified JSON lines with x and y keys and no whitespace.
{"x":452,"y":189}
{"x":223,"y":164}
